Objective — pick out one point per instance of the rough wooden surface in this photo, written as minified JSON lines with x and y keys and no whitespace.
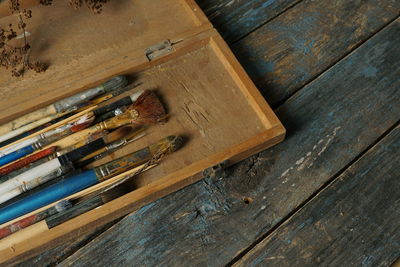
{"x":236,"y":19}
{"x":348,"y":223}
{"x":57,"y":254}
{"x":293,"y":49}
{"x":330,"y":122}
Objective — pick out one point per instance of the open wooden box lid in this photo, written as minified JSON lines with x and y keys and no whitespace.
{"x":165,"y":45}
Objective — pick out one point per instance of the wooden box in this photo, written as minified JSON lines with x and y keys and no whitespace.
{"x":168,"y":46}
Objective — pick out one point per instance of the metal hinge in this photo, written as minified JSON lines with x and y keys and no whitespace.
{"x":216,"y":171}
{"x":158,"y":50}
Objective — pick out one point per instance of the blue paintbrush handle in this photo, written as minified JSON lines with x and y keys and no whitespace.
{"x":48,"y":195}
{"x":16,"y":155}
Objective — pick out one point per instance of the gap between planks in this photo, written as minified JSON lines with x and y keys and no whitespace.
{"x":296,"y":91}
{"x":313,"y":196}
{"x":255,"y":28}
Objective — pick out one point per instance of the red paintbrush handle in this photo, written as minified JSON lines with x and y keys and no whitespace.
{"x":28,"y":160}
{"x":19,"y":225}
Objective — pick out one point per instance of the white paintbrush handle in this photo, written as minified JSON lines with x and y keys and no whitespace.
{"x":9,"y":195}
{"x":19,"y":145}
{"x":28,"y":127}
{"x":28,"y":176}
{"x":30,"y":185}
{"x":27,"y":119}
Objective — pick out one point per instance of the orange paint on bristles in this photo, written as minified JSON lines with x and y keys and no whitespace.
{"x":149,"y":107}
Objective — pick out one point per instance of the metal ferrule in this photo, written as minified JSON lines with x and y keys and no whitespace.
{"x":75,"y":100}
{"x":39,"y":144}
{"x":102,"y":171}
{"x":119,"y":111}
{"x":122,"y":164}
{"x":72,"y":101}
{"x":116,"y":144}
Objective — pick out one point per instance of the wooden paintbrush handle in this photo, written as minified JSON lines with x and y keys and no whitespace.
{"x":125,"y":118}
{"x":75,"y":138}
{"x":30,"y":126}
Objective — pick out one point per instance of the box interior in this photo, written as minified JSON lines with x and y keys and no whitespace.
{"x":205,"y":105}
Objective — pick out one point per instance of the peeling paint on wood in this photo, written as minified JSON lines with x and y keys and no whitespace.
{"x":192,"y":225}
{"x":349,"y":223}
{"x":291,"y":50}
{"x":209,"y":223}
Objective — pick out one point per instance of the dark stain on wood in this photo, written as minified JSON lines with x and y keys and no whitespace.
{"x":330,"y":122}
{"x":293,"y":49}
{"x":351,"y":222}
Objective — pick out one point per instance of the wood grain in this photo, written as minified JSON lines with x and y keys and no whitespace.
{"x":236,"y":19}
{"x":80,"y":55}
{"x":293,"y":49}
{"x":330,"y":122}
{"x":353,"y":222}
{"x":57,"y":254}
{"x":210,"y":99}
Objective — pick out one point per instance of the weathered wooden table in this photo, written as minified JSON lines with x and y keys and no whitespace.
{"x":330,"y":193}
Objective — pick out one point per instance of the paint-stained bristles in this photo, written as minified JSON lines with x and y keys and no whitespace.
{"x":149,"y":108}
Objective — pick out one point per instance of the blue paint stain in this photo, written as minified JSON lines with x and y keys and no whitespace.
{"x":304,"y":46}
{"x":143,"y":241}
{"x":367,"y":261}
{"x":145,"y":208}
{"x":370,"y":72}
{"x":289,"y":241}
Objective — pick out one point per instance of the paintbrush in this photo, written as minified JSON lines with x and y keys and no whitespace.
{"x":34,"y":224}
{"x":42,"y":186}
{"x":106,"y":97}
{"x":37,"y":142}
{"x":146,"y":110}
{"x":34,"y":130}
{"x":53,"y":135}
{"x":131,"y":136}
{"x":17,"y":172}
{"x":27,"y":127}
{"x":88,"y":178}
{"x":109,"y":149}
{"x":77,"y":208}
{"x":94,"y":102}
{"x":27,"y":160}
{"x":53,"y":168}
{"x":126,"y":101}
{"x":63,"y":211}
{"x":57,"y":109}
{"x":61,"y":206}
{"x":109,"y":115}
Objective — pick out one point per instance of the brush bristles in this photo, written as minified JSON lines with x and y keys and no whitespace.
{"x":83,"y":122}
{"x":167,"y":145}
{"x":115,"y":83}
{"x":149,"y":108}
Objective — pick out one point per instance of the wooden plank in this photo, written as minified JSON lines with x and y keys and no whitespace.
{"x":57,"y":254}
{"x":291,"y":50}
{"x":330,"y":122}
{"x":243,"y":15}
{"x":235,"y":19}
{"x":192,"y":74}
{"x":353,"y":222}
